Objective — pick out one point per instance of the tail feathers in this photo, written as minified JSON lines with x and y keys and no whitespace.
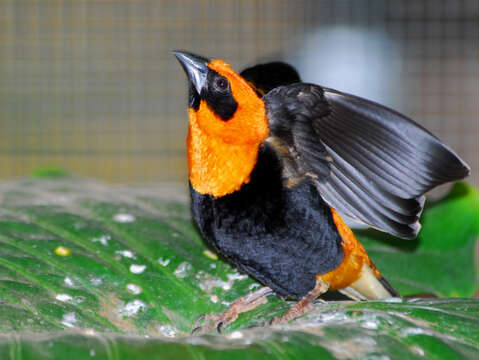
{"x":370,"y":287}
{"x":352,"y":294}
{"x":389,"y":287}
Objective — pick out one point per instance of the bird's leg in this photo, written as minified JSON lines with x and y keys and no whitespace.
{"x":245,"y":303}
{"x":302,"y":305}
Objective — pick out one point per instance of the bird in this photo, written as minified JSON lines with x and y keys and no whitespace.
{"x":275,"y":164}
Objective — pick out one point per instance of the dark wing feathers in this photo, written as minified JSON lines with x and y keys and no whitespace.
{"x":309,"y":154}
{"x":391,"y":145}
{"x":370,"y":162}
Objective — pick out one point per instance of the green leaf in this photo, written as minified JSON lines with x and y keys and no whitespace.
{"x":413,"y":329}
{"x":89,"y":271}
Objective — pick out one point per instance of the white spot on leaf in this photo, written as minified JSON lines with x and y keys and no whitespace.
{"x":64,"y":297}
{"x":183,"y":270}
{"x":69,"y":282}
{"x":163,"y":262}
{"x":133,"y":289}
{"x":393,"y":300}
{"x":124,"y":218}
{"x":235,"y":335}
{"x":418,"y":350}
{"x":253,"y":286}
{"x":137,"y":269}
{"x":69,"y":320}
{"x":207,"y":282}
{"x":79,"y":299}
{"x":126,"y":253}
{"x":102,"y":239}
{"x":167,"y":330}
{"x":411,"y":331}
{"x":96,"y":281}
{"x":132,"y":308}
{"x":370,"y":325}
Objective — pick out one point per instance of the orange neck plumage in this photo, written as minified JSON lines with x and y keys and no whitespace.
{"x":222,"y":154}
{"x":216,"y":167}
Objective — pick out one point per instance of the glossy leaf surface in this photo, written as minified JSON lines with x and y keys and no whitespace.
{"x":88,"y":270}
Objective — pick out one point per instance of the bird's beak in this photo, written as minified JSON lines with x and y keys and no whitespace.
{"x":195,"y":66}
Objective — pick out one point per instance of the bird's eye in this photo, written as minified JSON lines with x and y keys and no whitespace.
{"x":222,"y":84}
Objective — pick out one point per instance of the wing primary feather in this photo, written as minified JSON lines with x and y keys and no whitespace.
{"x":394,"y":157}
{"x":399,"y":205}
{"x":398,"y":150}
{"x":398,"y":125}
{"x":383,"y":174}
{"x":382,"y":208}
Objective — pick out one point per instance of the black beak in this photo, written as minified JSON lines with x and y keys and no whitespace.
{"x":195,"y":66}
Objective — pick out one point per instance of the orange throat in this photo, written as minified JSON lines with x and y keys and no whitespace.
{"x":216,"y":167}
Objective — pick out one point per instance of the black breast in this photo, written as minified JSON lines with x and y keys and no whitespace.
{"x":281,"y":236}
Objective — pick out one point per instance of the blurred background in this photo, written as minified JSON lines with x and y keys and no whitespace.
{"x":91,"y":87}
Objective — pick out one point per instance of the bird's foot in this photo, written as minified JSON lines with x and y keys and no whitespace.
{"x":243,"y":304}
{"x":302,"y":305}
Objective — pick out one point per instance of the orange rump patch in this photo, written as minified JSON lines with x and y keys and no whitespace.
{"x":354,"y":258}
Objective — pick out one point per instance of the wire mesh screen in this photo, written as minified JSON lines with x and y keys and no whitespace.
{"x":92,"y":87}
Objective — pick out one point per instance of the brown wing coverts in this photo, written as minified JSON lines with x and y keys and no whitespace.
{"x":382,"y":162}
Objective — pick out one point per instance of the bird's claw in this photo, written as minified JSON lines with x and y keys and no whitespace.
{"x":261,"y":324}
{"x":243,"y":304}
{"x":198,"y":328}
{"x":216,"y":322}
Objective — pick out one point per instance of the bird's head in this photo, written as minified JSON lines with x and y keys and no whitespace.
{"x":224,"y":104}
{"x":227,"y":125}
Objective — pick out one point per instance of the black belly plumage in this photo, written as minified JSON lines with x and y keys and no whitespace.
{"x":282,"y":236}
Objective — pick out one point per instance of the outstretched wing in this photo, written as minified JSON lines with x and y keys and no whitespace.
{"x":370,"y":162}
